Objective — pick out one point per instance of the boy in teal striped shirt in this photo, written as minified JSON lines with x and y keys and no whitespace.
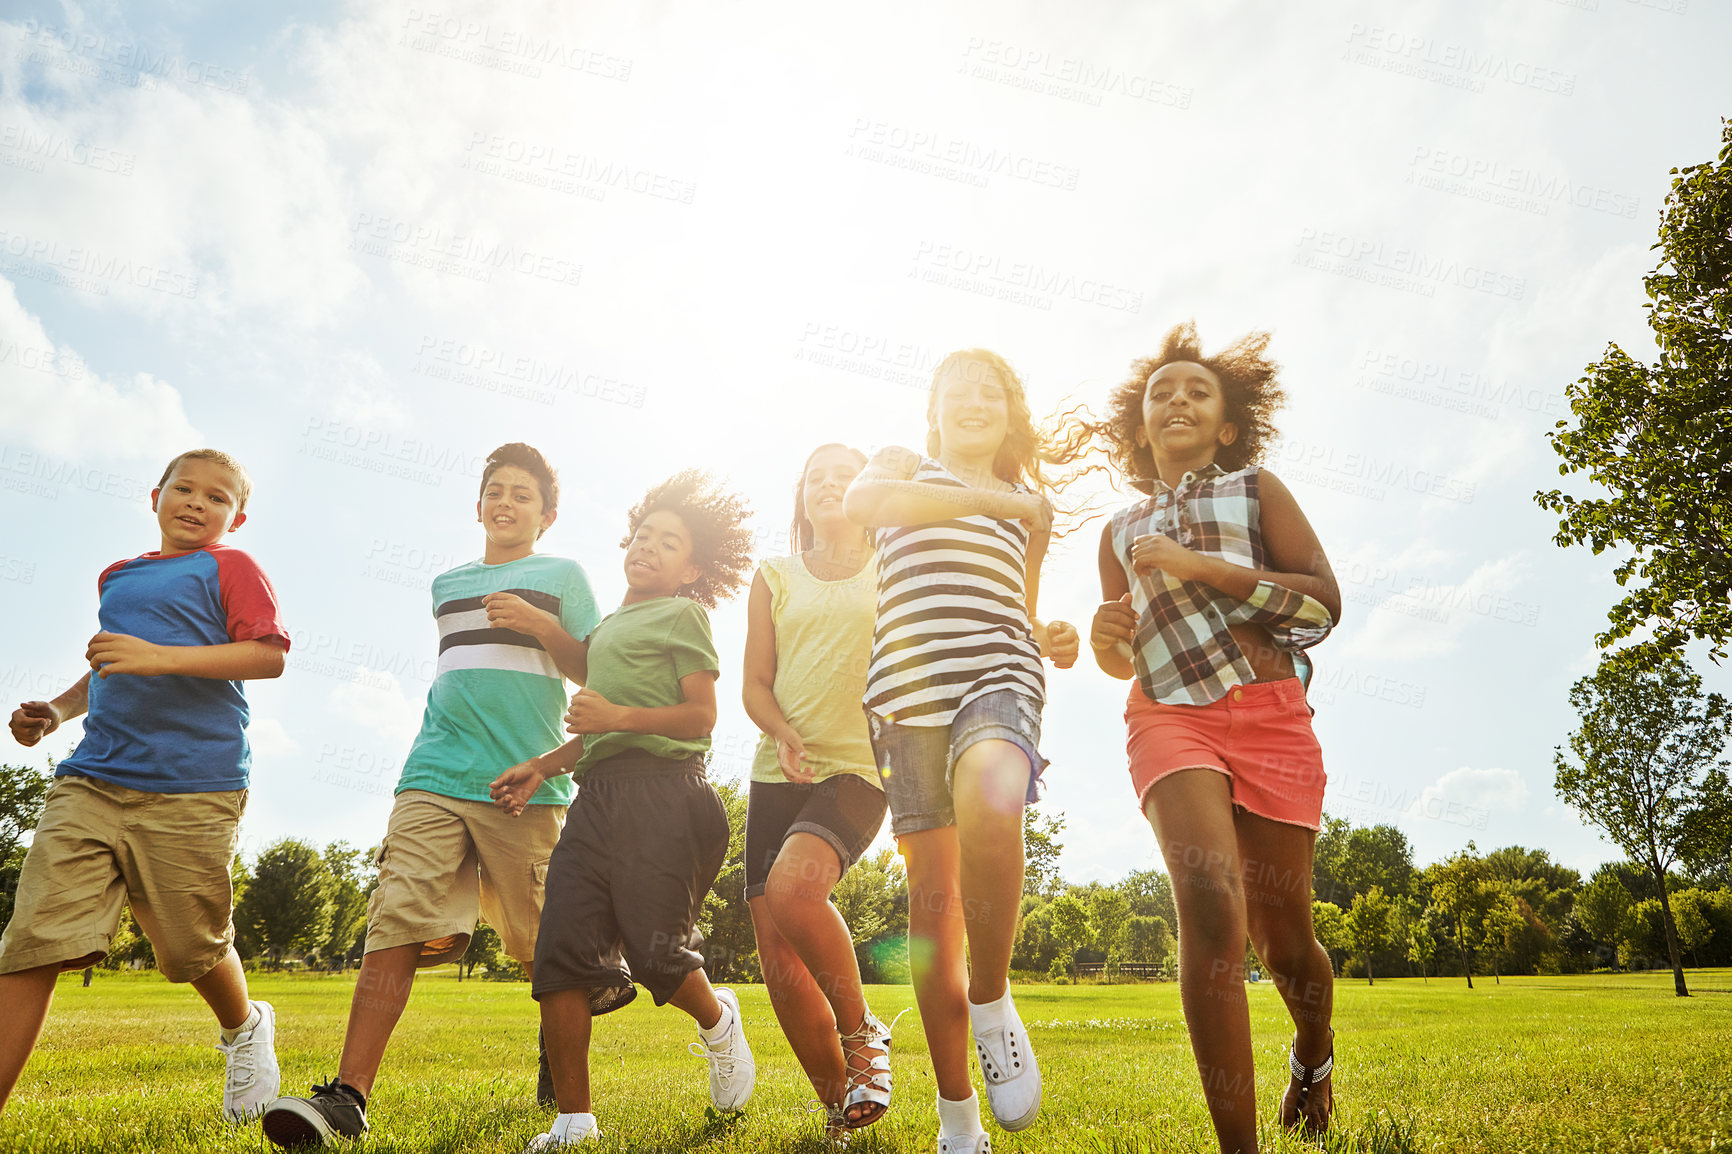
{"x":507,"y":630}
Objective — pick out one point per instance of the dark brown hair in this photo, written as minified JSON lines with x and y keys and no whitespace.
{"x":531,"y":461}
{"x":1248,"y":386}
{"x":721,"y":544}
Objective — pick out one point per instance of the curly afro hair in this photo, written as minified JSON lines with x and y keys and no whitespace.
{"x":1248,"y":385}
{"x":530,"y":460}
{"x":721,"y":543}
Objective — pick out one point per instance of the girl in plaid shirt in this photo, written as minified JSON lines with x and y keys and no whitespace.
{"x":1212,"y":586}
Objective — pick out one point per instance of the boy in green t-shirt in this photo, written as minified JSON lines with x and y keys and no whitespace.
{"x":508,"y":625}
{"x":647,"y":834}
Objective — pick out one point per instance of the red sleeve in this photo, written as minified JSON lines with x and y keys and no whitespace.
{"x":102,"y":577}
{"x":248,"y":599}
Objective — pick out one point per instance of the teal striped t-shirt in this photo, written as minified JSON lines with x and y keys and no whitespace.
{"x":497,"y":698}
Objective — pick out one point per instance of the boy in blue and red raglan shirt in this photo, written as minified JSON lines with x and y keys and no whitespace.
{"x":147,"y":810}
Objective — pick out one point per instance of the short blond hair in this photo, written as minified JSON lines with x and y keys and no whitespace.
{"x":243,"y":479}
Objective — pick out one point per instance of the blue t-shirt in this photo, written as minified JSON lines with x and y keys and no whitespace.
{"x":176,"y":734}
{"x":497,"y":698}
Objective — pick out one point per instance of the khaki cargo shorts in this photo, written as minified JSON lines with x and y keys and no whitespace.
{"x":446,"y":861}
{"x":101,"y":845}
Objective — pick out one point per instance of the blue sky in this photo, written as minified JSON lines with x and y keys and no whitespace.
{"x":360,"y":247}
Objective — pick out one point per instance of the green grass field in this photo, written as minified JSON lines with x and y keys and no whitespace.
{"x":1602,"y":1063}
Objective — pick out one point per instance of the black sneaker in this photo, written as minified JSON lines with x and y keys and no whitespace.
{"x":543,"y":1075}
{"x":337,"y":1110}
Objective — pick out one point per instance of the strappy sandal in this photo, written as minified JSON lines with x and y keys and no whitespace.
{"x":868,"y":1087}
{"x":1296,"y":1102}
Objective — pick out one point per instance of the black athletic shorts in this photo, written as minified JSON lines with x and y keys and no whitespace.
{"x":845,"y":810}
{"x":643,"y":842}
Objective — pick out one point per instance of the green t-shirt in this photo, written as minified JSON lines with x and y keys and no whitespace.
{"x":637,"y":656}
{"x":497,"y":698}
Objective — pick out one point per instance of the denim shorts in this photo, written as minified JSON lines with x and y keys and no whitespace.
{"x":917,"y":763}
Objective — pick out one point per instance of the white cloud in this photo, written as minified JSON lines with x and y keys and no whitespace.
{"x":270,"y":738}
{"x":55,"y":403}
{"x":1424,"y":618}
{"x":375,"y":700}
{"x":1468,"y":796}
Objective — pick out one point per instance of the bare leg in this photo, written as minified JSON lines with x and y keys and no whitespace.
{"x":935,"y":932}
{"x":991,"y":785}
{"x":801,"y":1008}
{"x":381,"y":992}
{"x":224,"y":989}
{"x":697,"y":998}
{"x":1192,"y":815}
{"x":1277,"y":878}
{"x":565,"y":1023}
{"x":24,"y":999}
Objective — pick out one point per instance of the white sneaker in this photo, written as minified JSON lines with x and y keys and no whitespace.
{"x":967,"y":1144}
{"x":251,"y":1080}
{"x":732,"y":1071}
{"x":562,"y":1134}
{"x":1006,"y":1062}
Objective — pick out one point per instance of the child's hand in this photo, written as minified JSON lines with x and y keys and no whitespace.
{"x":34,"y":720}
{"x":1058,"y":642}
{"x":590,"y":712}
{"x":1036,"y":513}
{"x":509,"y":611}
{"x":1115,"y":626}
{"x":791,"y":756}
{"x":512,"y":789}
{"x":122,"y":653}
{"x":1159,"y":551}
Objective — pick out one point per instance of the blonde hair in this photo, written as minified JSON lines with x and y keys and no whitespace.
{"x":243,"y":479}
{"x":1026,"y":447}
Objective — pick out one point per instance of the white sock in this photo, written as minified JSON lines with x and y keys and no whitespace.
{"x":572,"y":1127}
{"x":252,"y":1020}
{"x":989,"y":1013}
{"x":959,"y":1119}
{"x":719,"y":1031}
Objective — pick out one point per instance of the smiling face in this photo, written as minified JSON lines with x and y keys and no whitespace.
{"x":1185,"y":414}
{"x":198,"y":503}
{"x":511,"y":512}
{"x":828,"y":475}
{"x":971,"y":409}
{"x":658,"y":558}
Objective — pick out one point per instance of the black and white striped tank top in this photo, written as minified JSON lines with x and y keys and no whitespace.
{"x":952,"y":616}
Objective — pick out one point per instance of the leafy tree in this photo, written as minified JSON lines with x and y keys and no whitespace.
{"x":1659,"y":437}
{"x":873,"y":899}
{"x":1647,"y":758}
{"x":287,"y":905}
{"x":1034,"y":948}
{"x":730,"y":945}
{"x":23,"y":793}
{"x":1108,"y":909}
{"x":1150,"y":893}
{"x":1145,"y":939}
{"x":1368,"y":925}
{"x":1603,"y":908}
{"x":1041,"y":848}
{"x":1459,"y":898}
{"x":485,"y":949}
{"x":1501,"y":922}
{"x":1327,"y":855}
{"x":1378,"y":857}
{"x":351,"y":872}
{"x":1421,"y":945}
{"x":1070,"y":927}
{"x":1329,"y":925}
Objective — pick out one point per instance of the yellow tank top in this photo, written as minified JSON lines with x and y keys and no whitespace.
{"x":823,"y":647}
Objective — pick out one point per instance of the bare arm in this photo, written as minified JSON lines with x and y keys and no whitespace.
{"x":110,"y":653}
{"x":34,"y":720}
{"x":1115,"y":621}
{"x":509,"y":611}
{"x":884,"y":495}
{"x":1292,"y":548}
{"x":694,"y":717}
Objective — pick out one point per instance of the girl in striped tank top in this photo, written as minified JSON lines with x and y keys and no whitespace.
{"x":1211,"y":586}
{"x":953,"y":700}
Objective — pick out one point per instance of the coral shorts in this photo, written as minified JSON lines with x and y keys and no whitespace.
{"x":1258,"y":735}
